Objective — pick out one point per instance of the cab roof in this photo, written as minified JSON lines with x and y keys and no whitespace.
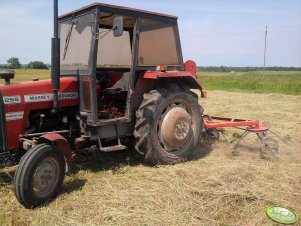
{"x":119,"y":10}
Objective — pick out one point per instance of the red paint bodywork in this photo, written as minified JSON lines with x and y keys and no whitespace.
{"x":189,"y":74}
{"x":190,"y":66}
{"x":223,"y":122}
{"x":62,"y":145}
{"x":15,"y":128}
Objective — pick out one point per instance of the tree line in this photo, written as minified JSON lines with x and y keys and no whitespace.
{"x":14,"y":63}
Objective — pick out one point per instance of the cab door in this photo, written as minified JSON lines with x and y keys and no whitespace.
{"x":77,"y":55}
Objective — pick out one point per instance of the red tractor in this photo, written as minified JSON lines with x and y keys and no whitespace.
{"x":117,"y":73}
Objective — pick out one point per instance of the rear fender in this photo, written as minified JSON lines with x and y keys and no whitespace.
{"x":180,"y":77}
{"x":62,"y":144}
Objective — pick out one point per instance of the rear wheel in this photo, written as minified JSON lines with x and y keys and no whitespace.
{"x":168,"y":125}
{"x":39,"y":175}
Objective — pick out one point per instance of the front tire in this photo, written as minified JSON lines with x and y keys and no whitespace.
{"x":39,"y":176}
{"x":168,"y":125}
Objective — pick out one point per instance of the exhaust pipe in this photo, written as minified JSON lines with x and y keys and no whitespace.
{"x":55,"y":57}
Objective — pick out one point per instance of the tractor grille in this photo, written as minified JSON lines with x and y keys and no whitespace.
{"x":2,"y":125}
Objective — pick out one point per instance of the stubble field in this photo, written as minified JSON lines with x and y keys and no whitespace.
{"x":216,"y":188}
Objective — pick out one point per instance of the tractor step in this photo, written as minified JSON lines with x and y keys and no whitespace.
{"x":118,"y":147}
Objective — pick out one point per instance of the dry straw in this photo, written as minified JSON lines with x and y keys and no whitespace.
{"x":214,"y":189}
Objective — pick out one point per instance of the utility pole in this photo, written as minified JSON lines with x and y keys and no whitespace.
{"x":265,"y":45}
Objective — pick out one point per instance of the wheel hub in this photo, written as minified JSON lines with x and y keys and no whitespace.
{"x":182,"y":129}
{"x":44,"y":177}
{"x":175,"y":128}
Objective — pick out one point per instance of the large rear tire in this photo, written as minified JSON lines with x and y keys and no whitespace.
{"x":39,"y":176}
{"x":168,"y":125}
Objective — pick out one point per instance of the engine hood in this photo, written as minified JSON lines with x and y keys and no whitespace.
{"x":35,"y":91}
{"x":19,"y":100}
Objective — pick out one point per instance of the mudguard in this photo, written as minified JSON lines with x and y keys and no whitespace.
{"x":188,"y":76}
{"x":181,"y":77}
{"x":62,"y":144}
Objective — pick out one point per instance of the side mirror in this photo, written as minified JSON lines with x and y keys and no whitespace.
{"x":118,"y":26}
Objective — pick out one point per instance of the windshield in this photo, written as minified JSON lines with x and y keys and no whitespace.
{"x":114,"y":52}
{"x":158,"y":43}
{"x":75,"y":41}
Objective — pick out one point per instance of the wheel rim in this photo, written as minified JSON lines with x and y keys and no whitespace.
{"x":174,"y":127}
{"x":45,"y":177}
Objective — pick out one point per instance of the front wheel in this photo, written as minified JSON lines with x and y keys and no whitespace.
{"x":39,"y":175}
{"x":168,"y":125}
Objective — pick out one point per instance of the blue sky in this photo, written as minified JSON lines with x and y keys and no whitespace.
{"x":215,"y":32}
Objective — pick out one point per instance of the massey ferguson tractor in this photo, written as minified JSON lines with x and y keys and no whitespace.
{"x":116,"y":73}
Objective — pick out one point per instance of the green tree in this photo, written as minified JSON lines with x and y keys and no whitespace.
{"x":223,"y":68}
{"x":36,"y":65}
{"x":14,"y":63}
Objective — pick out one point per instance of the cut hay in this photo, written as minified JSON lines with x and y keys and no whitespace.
{"x":214,"y":189}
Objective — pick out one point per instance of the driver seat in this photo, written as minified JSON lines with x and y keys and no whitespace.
{"x":121,"y":86}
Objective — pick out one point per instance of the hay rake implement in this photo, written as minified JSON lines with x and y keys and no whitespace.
{"x":269,"y":146}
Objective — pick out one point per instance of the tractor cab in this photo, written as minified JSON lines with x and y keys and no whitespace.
{"x":108,"y":47}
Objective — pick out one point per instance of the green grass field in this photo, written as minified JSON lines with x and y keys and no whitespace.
{"x":22,"y":75}
{"x":285,"y":82}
